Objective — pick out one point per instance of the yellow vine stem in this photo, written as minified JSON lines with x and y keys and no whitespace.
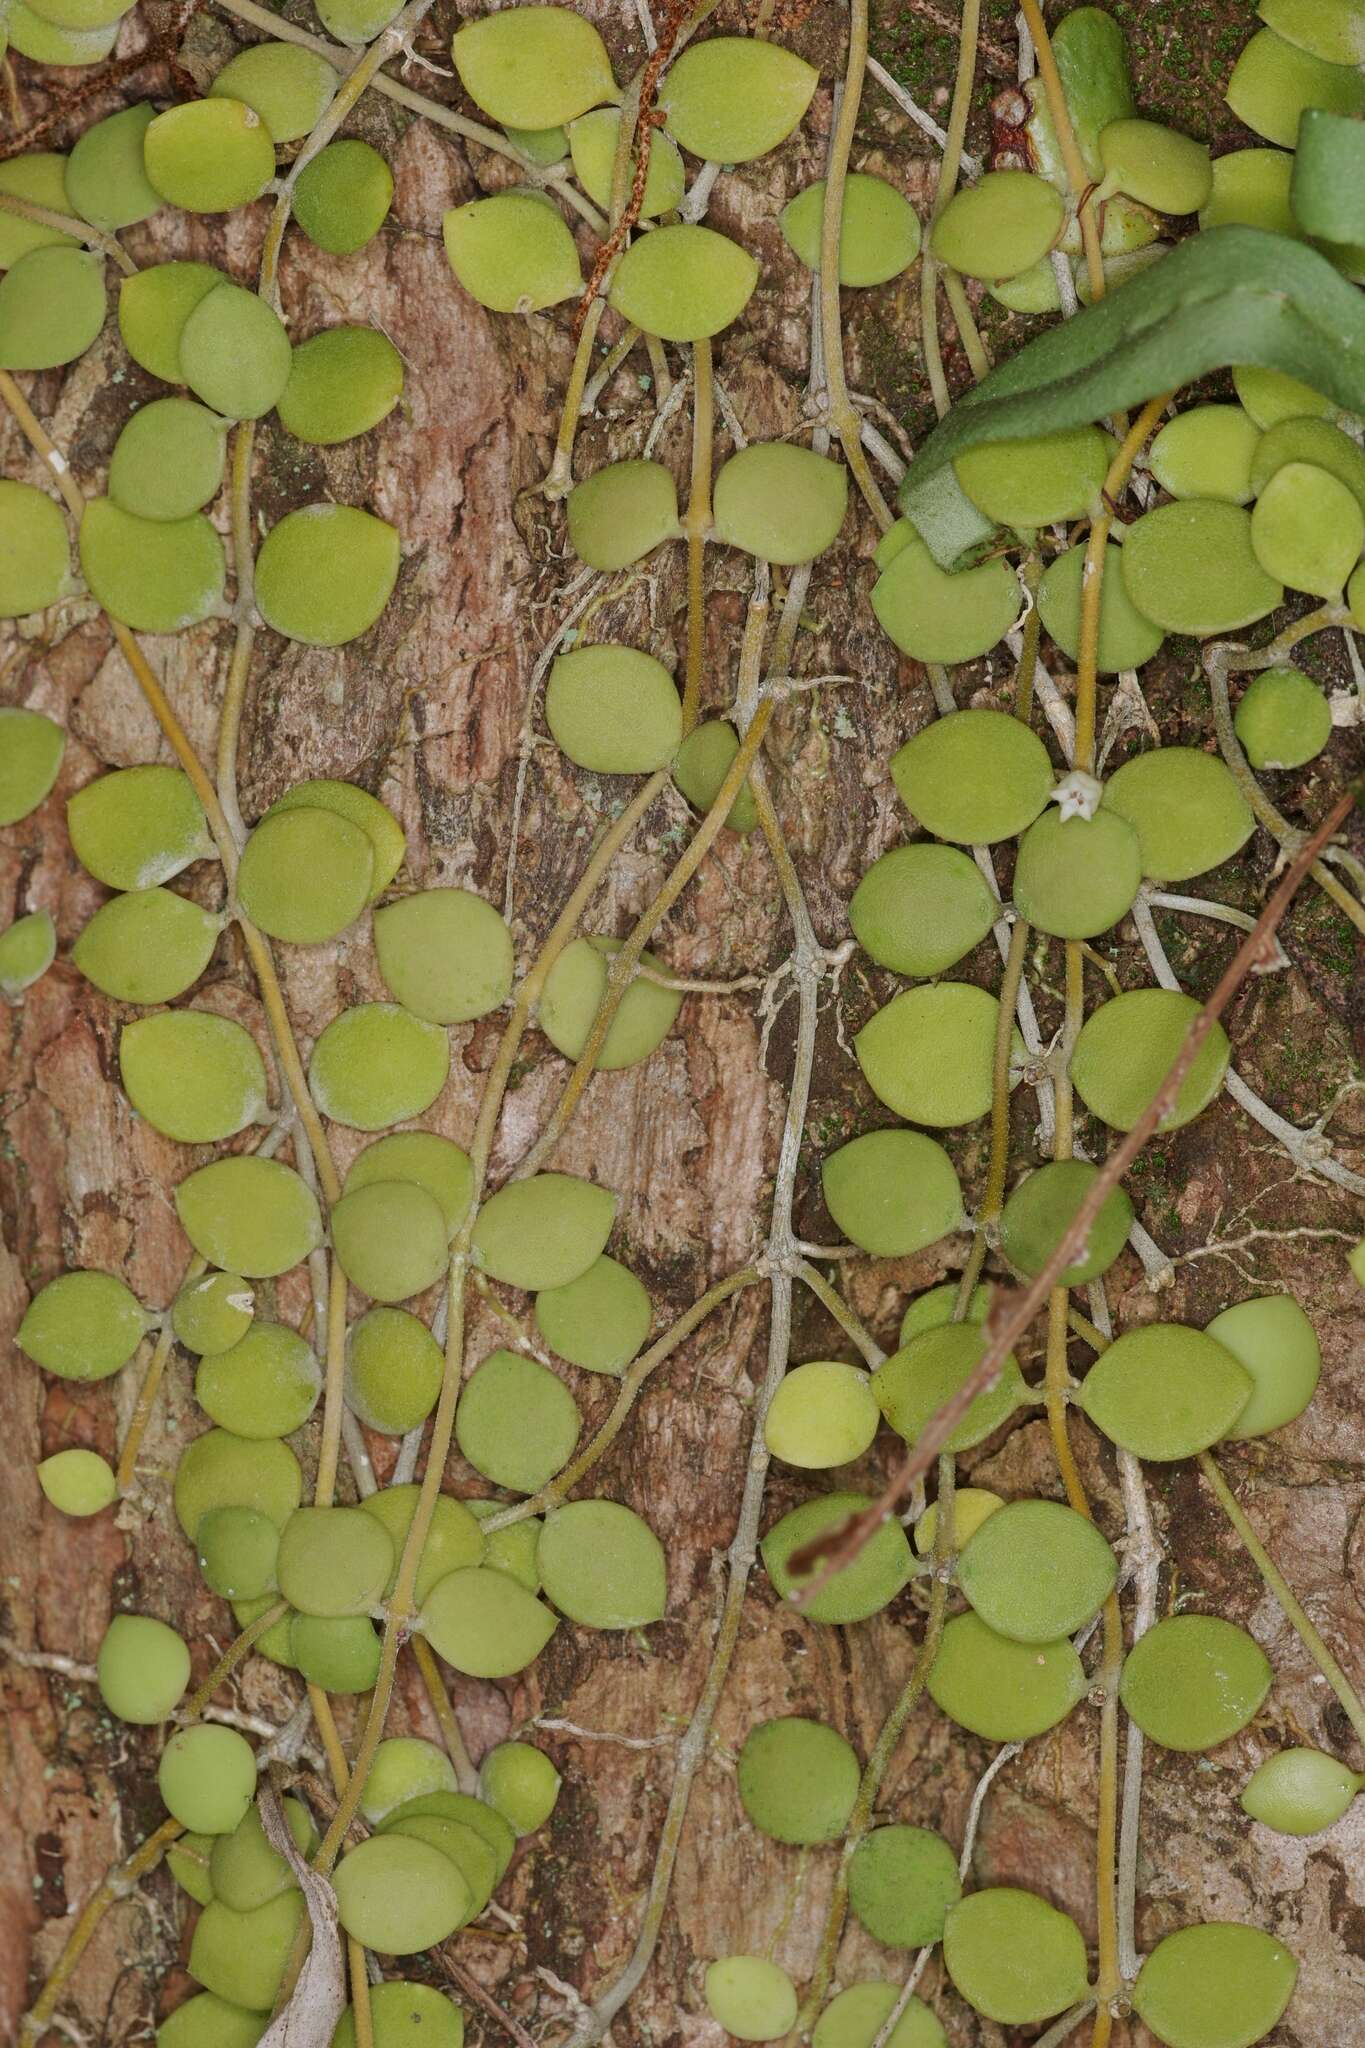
{"x":843,"y":415}
{"x":258,"y":950}
{"x":955,"y":292}
{"x":116,"y":1885}
{"x":466,"y":1775}
{"x":945,"y":185}
{"x":361,"y":2012}
{"x":67,"y":224}
{"x":1076,"y":174}
{"x":697,"y":524}
{"x":562,"y":1485}
{"x":889,"y":1735}
{"x":232,"y":1657}
{"x":623,"y":965}
{"x":329,"y":1450}
{"x":1294,"y":1610}
{"x":148,"y":1391}
{"x":1092,"y":577}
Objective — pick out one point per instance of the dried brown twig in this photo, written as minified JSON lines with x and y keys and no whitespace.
{"x":1012,"y":1313}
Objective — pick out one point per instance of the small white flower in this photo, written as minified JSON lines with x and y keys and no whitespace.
{"x":1078,"y":795}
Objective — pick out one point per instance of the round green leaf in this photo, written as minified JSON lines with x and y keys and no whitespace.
{"x":798,"y":1780}
{"x":343,"y":195}
{"x":341,"y":383}
{"x":1036,"y":482}
{"x":1037,"y":1570}
{"x":445,"y":954}
{"x":1273,"y":1340}
{"x":622,"y":513}
{"x":376,"y":1065}
{"x":357,"y":807}
{"x":902,"y":1883}
{"x":1307,"y":529}
{"x":1273,"y":83}
{"x":137,"y":827}
{"x":823,"y":1413}
{"x":35,"y":554}
{"x":1165,"y":1391}
{"x":30,"y":754}
{"x":221,"y":1470}
{"x":535,"y":67}
{"x":856,"y":2017}
{"x":194,"y":1076}
{"x":602,"y":1565}
{"x":266,"y":1385}
{"x":82,"y":1326}
{"x":933,"y":616}
{"x":1207,"y":453}
{"x":77,"y":1482}
{"x":51,"y":308}
{"x":615,"y":710}
{"x":1194,"y":1680}
{"x":305,"y":874}
{"x":513,"y":252}
{"x":1127,"y":639}
{"x":207,"y":1778}
{"x":393,"y":1370}
{"x":1156,"y":165}
{"x":573,"y":994}
{"x":1268,"y":395}
{"x":1076,"y":877}
{"x":484,"y":1623}
{"x":400,"y":1896}
{"x":1216,"y":1986}
{"x":598,"y":1321}
{"x":1126,"y":1048}
{"x":892,"y":1192}
{"x":168,"y":461}
{"x":289,"y":88}
{"x":915,"y":1382}
{"x":248,"y":1215}
{"x":1190,"y":568}
{"x":158,"y":576}
{"x":521,"y":1782}
{"x":454,"y":1543}
{"x":211,"y":1313}
{"x":105,"y":180}
{"x":1040,"y":1210}
{"x":333,"y":1561}
{"x":1001,"y":1689}
{"x":147,"y":946}
{"x":237,"y":1550}
{"x":975,"y":776}
{"x":781,"y":503}
{"x":398,"y":2011}
{"x":325,"y":573}
{"x":858,"y":1589}
{"x":209,"y":156}
{"x":1187,"y":811}
{"x":929,"y":1054}
{"x":1297,"y":1791}
{"x":434,"y":1163}
{"x":517,"y":1423}
{"x":920,"y":909}
{"x":701,"y":765}
{"x":153,"y":306}
{"x":1012,"y":1956}
{"x":683,"y":283}
{"x":592,"y":142}
{"x":390,"y":1239}
{"x":999,"y":226}
{"x":879,"y":232}
{"x":733,"y":98}
{"x":751,"y":1998}
{"x":28,"y":948}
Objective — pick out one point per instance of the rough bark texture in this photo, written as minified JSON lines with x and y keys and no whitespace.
{"x":428,"y":711}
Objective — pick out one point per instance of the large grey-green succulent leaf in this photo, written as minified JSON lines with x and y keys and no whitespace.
{"x":1232,"y":295}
